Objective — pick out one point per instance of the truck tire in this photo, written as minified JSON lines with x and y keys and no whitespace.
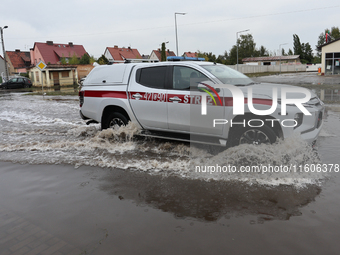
{"x":113,"y":119}
{"x":255,"y":135}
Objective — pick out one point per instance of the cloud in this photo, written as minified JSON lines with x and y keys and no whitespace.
{"x":208,"y":26}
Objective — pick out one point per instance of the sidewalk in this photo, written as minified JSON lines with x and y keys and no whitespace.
{"x":20,"y":236}
{"x":300,"y":78}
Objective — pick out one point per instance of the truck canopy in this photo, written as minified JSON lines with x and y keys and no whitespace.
{"x":108,"y":75}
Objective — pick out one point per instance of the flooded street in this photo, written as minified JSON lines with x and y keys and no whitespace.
{"x":69,"y":188}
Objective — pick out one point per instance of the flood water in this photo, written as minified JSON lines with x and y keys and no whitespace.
{"x":112,"y":192}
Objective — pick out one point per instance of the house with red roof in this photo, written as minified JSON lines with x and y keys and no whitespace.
{"x":157,"y":54}
{"x":190,"y":54}
{"x":51,"y":53}
{"x":121,"y":54}
{"x":55,"y":74}
{"x":18,"y":61}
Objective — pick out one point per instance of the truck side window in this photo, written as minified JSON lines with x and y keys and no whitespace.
{"x":153,"y":77}
{"x":185,"y":78}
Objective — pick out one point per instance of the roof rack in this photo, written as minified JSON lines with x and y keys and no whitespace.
{"x":137,"y":60}
{"x":175,"y":58}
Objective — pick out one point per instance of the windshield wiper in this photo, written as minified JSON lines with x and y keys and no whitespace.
{"x":251,"y":83}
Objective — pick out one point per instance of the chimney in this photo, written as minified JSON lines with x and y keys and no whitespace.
{"x":71,"y":44}
{"x":49,"y":42}
{"x":16,"y":50}
{"x":116,"y":46}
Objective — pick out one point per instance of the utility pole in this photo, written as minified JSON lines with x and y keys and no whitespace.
{"x":180,"y":13}
{"x":3,"y":49}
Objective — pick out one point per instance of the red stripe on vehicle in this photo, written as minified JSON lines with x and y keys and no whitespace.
{"x":163,"y":97}
{"x":99,"y":93}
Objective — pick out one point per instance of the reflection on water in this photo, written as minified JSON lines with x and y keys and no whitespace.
{"x":209,"y":200}
{"x":58,"y":88}
{"x":328,"y":95}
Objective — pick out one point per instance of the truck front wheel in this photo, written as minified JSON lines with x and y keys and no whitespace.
{"x":255,"y":135}
{"x":114,"y":119}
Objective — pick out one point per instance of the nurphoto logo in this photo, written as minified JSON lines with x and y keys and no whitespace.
{"x":238,"y":100}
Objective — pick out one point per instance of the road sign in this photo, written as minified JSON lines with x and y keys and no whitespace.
{"x":41,"y":65}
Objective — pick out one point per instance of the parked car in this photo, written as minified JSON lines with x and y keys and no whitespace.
{"x":17,"y":82}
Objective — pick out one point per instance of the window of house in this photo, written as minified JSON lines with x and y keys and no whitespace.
{"x":65,"y":74}
{"x":329,"y":55}
{"x":37,"y":76}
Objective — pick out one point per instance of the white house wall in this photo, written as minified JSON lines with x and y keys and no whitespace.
{"x":330,"y":48}
{"x":108,"y":55}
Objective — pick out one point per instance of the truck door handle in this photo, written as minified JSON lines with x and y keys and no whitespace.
{"x":175,"y":99}
{"x":137,"y":96}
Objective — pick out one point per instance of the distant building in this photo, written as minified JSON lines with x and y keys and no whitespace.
{"x":18,"y":61}
{"x":157,"y":54}
{"x":2,"y":68}
{"x":275,"y":60}
{"x":330,"y":57}
{"x":190,"y":54}
{"x":51,"y":53}
{"x":55,"y":74}
{"x":121,"y":54}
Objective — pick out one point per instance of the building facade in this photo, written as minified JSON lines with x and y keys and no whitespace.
{"x":156,"y":55}
{"x":18,"y":61}
{"x":54,"y":75}
{"x":121,"y":54}
{"x":2,"y":69}
{"x":330,"y":57}
{"x":52,"y":53}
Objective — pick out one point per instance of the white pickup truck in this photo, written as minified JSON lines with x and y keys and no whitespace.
{"x":189,"y":101}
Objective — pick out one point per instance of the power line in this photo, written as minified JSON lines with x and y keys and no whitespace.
{"x":196,"y":23}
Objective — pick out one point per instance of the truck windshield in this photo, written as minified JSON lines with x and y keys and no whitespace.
{"x":228,"y":76}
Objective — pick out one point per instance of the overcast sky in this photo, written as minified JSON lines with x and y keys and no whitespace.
{"x":208,"y":26}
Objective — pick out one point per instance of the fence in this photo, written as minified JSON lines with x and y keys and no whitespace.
{"x":269,"y":69}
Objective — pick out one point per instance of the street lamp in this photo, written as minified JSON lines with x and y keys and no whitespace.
{"x":281,"y":53}
{"x":237,"y":46}
{"x":3,"y":49}
{"x":180,"y":13}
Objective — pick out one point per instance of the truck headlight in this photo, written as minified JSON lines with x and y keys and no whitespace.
{"x":298,"y":118}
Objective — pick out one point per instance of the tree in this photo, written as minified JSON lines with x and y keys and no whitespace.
{"x":85,"y":59}
{"x":223,"y":59}
{"x":283,"y":53}
{"x":74,"y":60}
{"x":163,"y":54}
{"x":246,"y":49}
{"x":263,"y":51}
{"x":297,"y":45}
{"x":103,"y":60}
{"x":304,"y":50}
{"x":334,"y":33}
{"x":307,"y":53}
{"x":207,"y":56}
